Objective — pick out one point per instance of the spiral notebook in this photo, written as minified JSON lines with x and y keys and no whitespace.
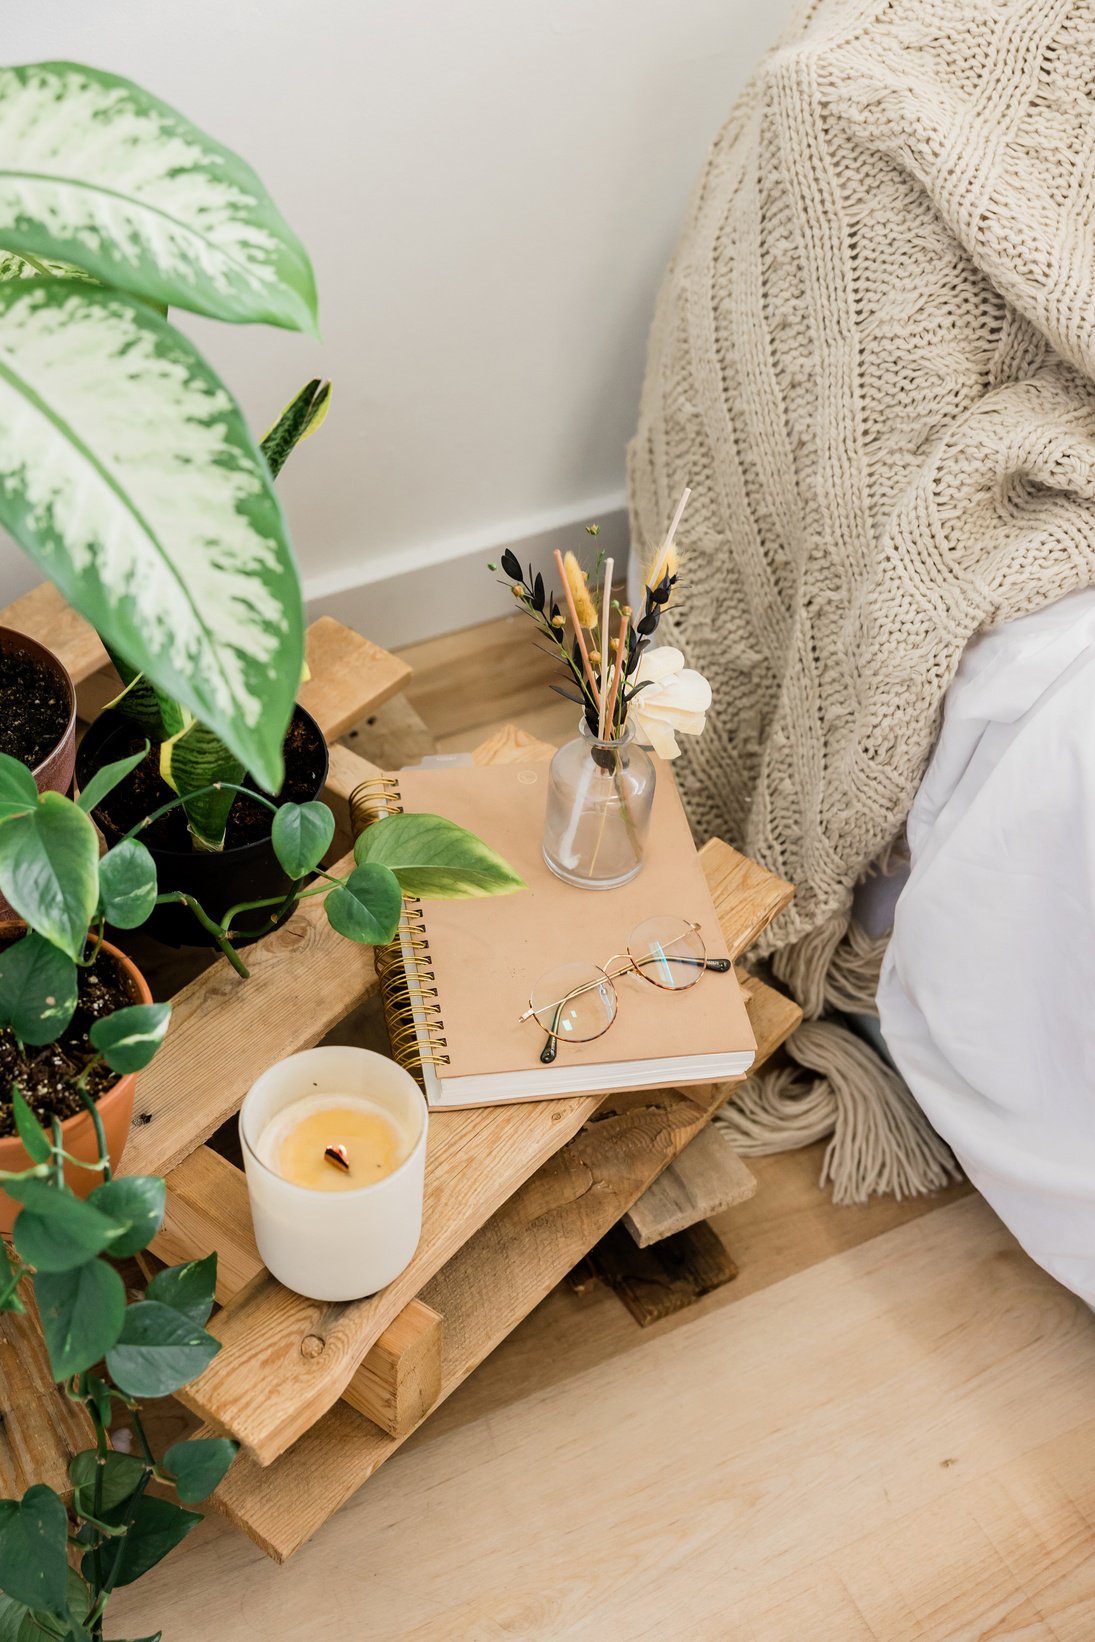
{"x":459,"y":976}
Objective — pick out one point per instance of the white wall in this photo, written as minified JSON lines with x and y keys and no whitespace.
{"x":490,"y":190}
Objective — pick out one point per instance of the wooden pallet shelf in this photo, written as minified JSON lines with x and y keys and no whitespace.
{"x":320,"y":1395}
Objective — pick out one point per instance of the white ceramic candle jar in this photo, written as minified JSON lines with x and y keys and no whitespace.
{"x":337,"y":1240}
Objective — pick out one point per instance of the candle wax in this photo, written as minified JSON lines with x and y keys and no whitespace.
{"x":295,"y":1142}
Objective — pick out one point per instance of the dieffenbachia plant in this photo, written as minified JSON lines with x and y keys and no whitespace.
{"x":194,"y":761}
{"x":127,"y":471}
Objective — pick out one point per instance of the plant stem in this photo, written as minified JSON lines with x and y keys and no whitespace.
{"x":209,"y":926}
{"x":279,"y":900}
{"x":58,"y":1164}
{"x":97,"y":1124}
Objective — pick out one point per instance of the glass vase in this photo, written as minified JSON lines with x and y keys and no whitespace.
{"x":598,"y":810}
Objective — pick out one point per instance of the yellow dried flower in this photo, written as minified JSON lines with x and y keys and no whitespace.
{"x":584,"y":607}
{"x":669,"y":565}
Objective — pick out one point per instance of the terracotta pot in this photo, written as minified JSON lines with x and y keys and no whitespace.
{"x":78,"y":1133}
{"x":54,"y":773}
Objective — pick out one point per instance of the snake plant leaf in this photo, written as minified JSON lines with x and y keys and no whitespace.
{"x":128,"y":474}
{"x":192,"y":761}
{"x":303,"y":416}
{"x":99,"y":173}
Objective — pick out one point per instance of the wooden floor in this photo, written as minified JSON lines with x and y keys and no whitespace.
{"x":883,"y":1431}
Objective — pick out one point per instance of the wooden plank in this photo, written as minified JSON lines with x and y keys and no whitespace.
{"x":207,"y":1211}
{"x":392,"y":736}
{"x":43,"y":614}
{"x":495,"y":1280}
{"x":708,"y":1178}
{"x":655,"y":1282}
{"x":262,"y":1329}
{"x":349,"y":676}
{"x":40,"y":1429}
{"x":226,"y":1030}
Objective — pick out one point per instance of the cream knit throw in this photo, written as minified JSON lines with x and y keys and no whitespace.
{"x":873,"y":360}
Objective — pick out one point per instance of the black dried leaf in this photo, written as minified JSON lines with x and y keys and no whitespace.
{"x":556,"y":613}
{"x":648,"y":624}
{"x":539,"y":598}
{"x":571,"y":695}
{"x":636,"y":656}
{"x":511,"y":564}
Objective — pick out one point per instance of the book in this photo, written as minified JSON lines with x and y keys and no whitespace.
{"x":460,"y":974}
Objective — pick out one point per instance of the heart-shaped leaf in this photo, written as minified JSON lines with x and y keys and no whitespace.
{"x":18,"y":792}
{"x":29,"y":1130}
{"x":127,"y":884}
{"x":158,"y":1526}
{"x":199,"y":590}
{"x":198,"y":1466}
{"x":104,"y":176}
{"x":301,"y":836}
{"x":33,"y":1563}
{"x":128,"y":1039}
{"x":367,"y":908}
{"x":434,"y":859}
{"x":49,"y":868}
{"x":82,"y":1312}
{"x":106,"y":778}
{"x":135,"y":1203}
{"x":38,"y":990}
{"x":120,"y":1475}
{"x":189,"y":1289}
{"x":55,"y":1230}
{"x":159,"y":1350}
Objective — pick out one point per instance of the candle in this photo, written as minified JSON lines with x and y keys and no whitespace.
{"x":334,"y":1147}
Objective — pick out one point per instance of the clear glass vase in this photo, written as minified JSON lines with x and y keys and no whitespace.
{"x":598,"y":810}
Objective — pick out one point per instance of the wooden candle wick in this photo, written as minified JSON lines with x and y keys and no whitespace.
{"x":338,"y":1157}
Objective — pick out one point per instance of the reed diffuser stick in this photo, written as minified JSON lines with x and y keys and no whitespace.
{"x":667,"y":545}
{"x":617,"y":668}
{"x":578,"y":633}
{"x":606,"y":648}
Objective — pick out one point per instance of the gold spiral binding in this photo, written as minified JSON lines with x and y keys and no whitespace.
{"x":408,"y":987}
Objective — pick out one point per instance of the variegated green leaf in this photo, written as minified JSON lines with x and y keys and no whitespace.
{"x":303,"y":416}
{"x":28,"y":267}
{"x":127,"y":472}
{"x":195,"y":759}
{"x":99,"y":173}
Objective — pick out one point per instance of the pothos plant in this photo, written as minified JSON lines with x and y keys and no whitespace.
{"x":59,"y":1564}
{"x":127,"y":471}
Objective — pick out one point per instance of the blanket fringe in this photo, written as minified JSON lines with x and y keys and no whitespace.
{"x":881,"y":1140}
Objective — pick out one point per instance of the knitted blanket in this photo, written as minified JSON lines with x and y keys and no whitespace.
{"x":873,"y":360}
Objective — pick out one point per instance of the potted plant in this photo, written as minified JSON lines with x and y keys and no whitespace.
{"x":37,"y":714}
{"x":128,"y":472}
{"x":216,"y":845}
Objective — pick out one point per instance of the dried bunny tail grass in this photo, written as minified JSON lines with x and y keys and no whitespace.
{"x":584,"y":607}
{"x":666,"y":564}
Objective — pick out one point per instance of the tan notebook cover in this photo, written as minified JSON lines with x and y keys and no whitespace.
{"x":486,"y":954}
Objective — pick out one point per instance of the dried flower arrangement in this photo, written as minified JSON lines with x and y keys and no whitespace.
{"x":616,"y":678}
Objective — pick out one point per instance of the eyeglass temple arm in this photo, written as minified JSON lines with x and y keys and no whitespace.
{"x":718,"y":966}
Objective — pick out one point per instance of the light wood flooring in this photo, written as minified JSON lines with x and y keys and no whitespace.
{"x":882,"y":1431}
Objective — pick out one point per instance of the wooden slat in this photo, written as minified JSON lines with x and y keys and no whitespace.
{"x":44,"y":615}
{"x":40,"y":1429}
{"x":656,"y":1282}
{"x":207,"y":1212}
{"x":707,"y":1178}
{"x":349,"y":676}
{"x":493,"y":1282}
{"x":262,"y":1329}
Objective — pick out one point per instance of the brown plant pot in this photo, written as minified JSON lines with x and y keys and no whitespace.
{"x":54,"y":772}
{"x":115,"y":1108}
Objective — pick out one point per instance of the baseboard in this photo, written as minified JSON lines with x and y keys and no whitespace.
{"x":401,"y":598}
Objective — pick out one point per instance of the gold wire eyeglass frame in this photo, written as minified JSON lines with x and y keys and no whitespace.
{"x":629,"y":965}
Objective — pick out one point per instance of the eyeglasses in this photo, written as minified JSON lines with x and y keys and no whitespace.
{"x":577,"y":1002}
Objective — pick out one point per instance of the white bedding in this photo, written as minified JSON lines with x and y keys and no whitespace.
{"x":987,"y":996}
